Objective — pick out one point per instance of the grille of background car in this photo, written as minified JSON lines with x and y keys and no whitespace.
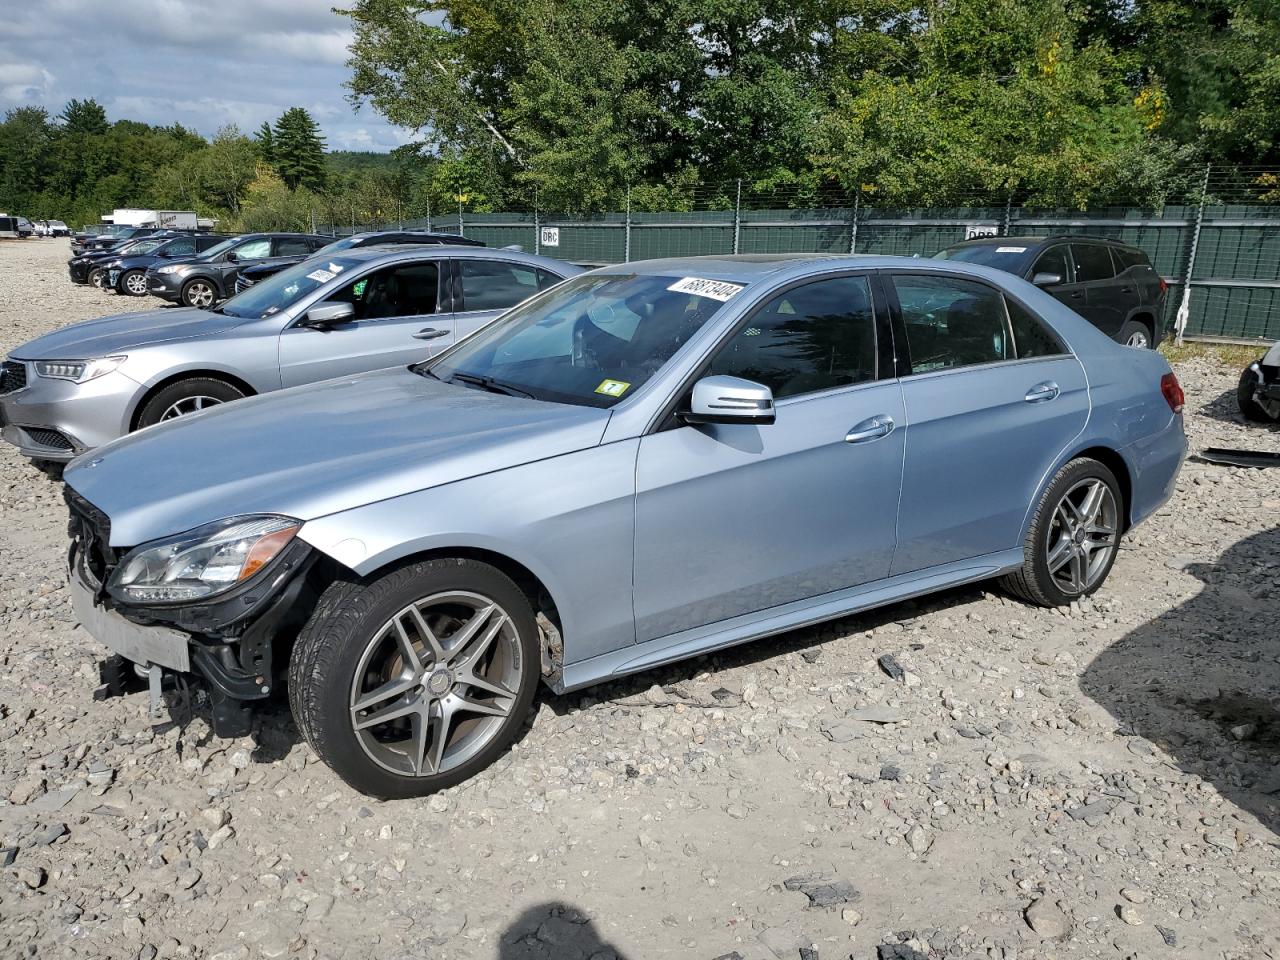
{"x":243,"y":283}
{"x":13,"y":376}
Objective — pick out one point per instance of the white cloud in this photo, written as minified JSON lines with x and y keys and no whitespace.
{"x":186,"y":61}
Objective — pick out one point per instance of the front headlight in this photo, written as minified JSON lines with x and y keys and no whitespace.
{"x":170,"y":268}
{"x":77,"y":371}
{"x":202,"y":562}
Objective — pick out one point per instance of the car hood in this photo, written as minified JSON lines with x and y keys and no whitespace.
{"x":139,"y":260}
{"x":110,"y":336}
{"x":176,"y":261}
{"x":320,"y":449}
{"x":267,"y":267}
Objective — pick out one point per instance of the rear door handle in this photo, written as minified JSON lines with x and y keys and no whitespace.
{"x":871,"y":429}
{"x":1042,"y":392}
{"x":430,"y":333}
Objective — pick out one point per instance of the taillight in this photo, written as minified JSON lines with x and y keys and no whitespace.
{"x":1172,"y":391}
{"x":1164,"y":286}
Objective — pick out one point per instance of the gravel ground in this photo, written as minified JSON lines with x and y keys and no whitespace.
{"x":1094,"y":782}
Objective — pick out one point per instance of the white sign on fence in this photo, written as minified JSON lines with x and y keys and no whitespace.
{"x":550,"y":237}
{"x":974,"y":230}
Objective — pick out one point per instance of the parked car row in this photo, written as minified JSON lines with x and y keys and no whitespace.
{"x":414,"y":513}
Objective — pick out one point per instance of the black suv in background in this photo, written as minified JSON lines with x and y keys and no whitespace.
{"x":1110,"y":284}
{"x":204,"y":281}
{"x":126,"y":271}
{"x":251,"y":275}
{"x":83,"y":267}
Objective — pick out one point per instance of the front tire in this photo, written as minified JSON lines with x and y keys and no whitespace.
{"x":1074,"y":536}
{"x":133,"y":283}
{"x":97,"y":278}
{"x":416,"y":680}
{"x":199,"y":293}
{"x":187,"y":396}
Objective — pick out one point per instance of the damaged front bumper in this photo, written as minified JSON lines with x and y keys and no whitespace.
{"x":229,"y":642}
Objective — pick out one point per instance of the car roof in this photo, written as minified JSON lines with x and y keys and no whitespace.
{"x":740,"y":267}
{"x":406,"y":251}
{"x":1029,"y":241}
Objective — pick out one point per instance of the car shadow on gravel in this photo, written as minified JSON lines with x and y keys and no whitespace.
{"x":1202,"y":681}
{"x":1226,"y":409}
{"x":554,"y":931}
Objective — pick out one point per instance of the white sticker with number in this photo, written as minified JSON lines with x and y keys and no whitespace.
{"x":320,"y":276}
{"x":1011,"y":249}
{"x":715,"y":289}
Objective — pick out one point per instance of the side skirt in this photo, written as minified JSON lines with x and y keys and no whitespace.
{"x":790,"y":616}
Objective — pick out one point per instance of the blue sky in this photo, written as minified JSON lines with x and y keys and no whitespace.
{"x":202,"y":64}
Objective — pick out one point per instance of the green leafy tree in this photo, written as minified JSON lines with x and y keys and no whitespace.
{"x":84,"y":117}
{"x":265,"y":142}
{"x":298,"y":149}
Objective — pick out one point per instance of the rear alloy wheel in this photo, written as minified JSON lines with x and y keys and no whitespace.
{"x":199,"y":293}
{"x":134,"y":283}
{"x":1135,"y":334}
{"x":416,"y":680}
{"x":187,"y":396}
{"x":97,"y":278}
{"x":1074,"y":536}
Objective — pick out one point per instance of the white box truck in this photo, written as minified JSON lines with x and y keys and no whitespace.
{"x":169,"y":219}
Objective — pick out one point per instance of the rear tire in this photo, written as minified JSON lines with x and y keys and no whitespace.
{"x":454,"y":696}
{"x":1250,"y":409}
{"x":133,"y":283}
{"x":1072,"y":543}
{"x":187,"y":396}
{"x":1135,"y":334}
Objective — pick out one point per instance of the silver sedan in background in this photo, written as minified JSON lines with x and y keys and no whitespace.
{"x":79,"y":387}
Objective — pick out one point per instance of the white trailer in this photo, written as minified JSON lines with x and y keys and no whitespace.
{"x":169,"y":219}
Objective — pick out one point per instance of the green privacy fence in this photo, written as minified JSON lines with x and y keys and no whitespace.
{"x":1227,"y":256}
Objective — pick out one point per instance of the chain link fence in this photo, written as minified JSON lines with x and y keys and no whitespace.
{"x":1214,"y":237}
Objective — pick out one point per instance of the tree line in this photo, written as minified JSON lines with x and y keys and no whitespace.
{"x":580,"y":106}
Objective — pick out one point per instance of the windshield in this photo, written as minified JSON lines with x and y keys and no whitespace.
{"x":1006,"y":257}
{"x":590,"y":341}
{"x":277,"y":292}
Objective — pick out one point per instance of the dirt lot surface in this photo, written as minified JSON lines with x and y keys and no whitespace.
{"x":1093,"y":782}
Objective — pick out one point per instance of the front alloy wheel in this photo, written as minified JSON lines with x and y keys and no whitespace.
{"x":418,"y":679}
{"x":134,"y":283}
{"x":199,"y":293}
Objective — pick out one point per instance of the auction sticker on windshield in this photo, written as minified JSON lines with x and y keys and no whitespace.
{"x":715,"y":289}
{"x":613,"y":388}
{"x":320,"y":276}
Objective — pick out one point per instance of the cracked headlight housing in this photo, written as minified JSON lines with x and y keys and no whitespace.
{"x":169,"y":268}
{"x":77,"y":371}
{"x":203,"y":562}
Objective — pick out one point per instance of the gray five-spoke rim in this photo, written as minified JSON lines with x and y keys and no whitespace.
{"x":136,"y":283}
{"x":436,"y":683}
{"x":181,"y":408}
{"x":1082,"y":537}
{"x":1137,"y":339}
{"x":200,"y":294}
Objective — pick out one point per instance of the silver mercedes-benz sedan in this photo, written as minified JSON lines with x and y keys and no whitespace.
{"x":78,"y":387}
{"x":645,"y":463}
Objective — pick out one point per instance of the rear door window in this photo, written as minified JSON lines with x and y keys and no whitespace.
{"x":1031,"y":337}
{"x":292,"y":246}
{"x":815,"y":337}
{"x":1093,"y":262}
{"x":495,"y":284}
{"x":951,"y":322}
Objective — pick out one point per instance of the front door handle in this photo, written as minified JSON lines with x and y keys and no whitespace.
{"x":1042,"y":392}
{"x":870,"y":429}
{"x":1077,"y":294}
{"x":430,"y":333}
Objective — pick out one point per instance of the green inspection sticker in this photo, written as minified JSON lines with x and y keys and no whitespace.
{"x":613,"y":388}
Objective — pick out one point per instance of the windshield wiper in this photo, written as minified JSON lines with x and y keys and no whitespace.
{"x":490,"y":384}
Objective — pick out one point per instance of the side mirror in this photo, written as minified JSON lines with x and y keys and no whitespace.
{"x":1047,"y":279}
{"x":729,"y":400}
{"x":328,"y":314}
{"x":231,"y":256}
